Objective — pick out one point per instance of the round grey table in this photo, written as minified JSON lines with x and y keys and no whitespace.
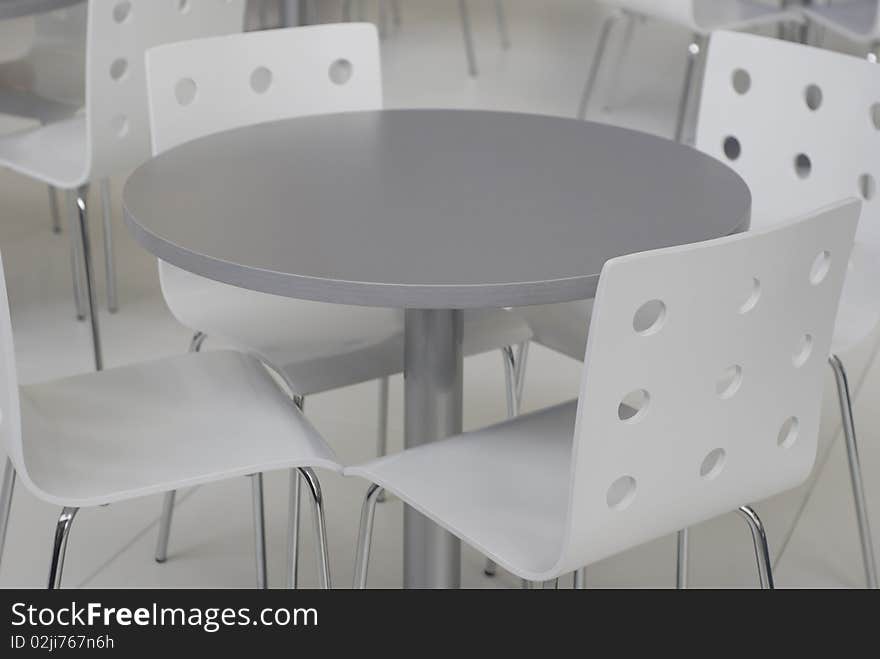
{"x":18,"y":8}
{"x":433,"y":211}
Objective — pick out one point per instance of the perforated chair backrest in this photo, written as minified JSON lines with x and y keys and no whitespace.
{"x":201,"y":87}
{"x":119,"y":33}
{"x":703,"y":380}
{"x":197,"y":88}
{"x":801,"y":125}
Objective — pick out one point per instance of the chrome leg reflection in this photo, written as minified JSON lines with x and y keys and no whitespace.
{"x":762,"y":548}
{"x":681,"y":559}
{"x":259,"y":530}
{"x":365,"y":536}
{"x":855,"y":470}
{"x":468,"y":37}
{"x":598,"y":58}
{"x":59,"y":549}
{"x":314,"y":488}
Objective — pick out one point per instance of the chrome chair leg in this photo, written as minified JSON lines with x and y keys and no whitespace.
{"x":365,"y":536}
{"x":382,"y":19}
{"x":382,"y":434}
{"x":6,"y":489}
{"x":86,"y":250}
{"x":522,"y":356}
{"x":512,"y":386}
{"x":501,"y":20}
{"x":681,"y":560}
{"x":695,"y":52}
{"x":464,"y":14}
{"x":109,"y":258}
{"x":762,"y":549}
{"x":165,"y":526}
{"x":59,"y":550}
{"x":75,"y":257}
{"x":346,"y":10}
{"x":259,"y":530}
{"x":396,"y":13}
{"x":598,"y":57}
{"x":580,"y":579}
{"x":195,"y":345}
{"x":53,"y":208}
{"x":509,"y":358}
{"x":320,"y":527}
{"x":855,"y":470}
{"x":293,"y":514}
{"x":629,"y":33}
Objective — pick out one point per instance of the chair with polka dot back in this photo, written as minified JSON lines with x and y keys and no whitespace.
{"x":701,"y":392}
{"x":802,"y":126}
{"x":112,"y":135}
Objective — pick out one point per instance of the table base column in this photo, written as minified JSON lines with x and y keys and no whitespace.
{"x":433,"y":392}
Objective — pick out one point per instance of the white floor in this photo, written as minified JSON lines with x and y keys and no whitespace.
{"x":211,"y":542}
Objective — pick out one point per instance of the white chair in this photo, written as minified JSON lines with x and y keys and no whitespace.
{"x":102,"y":438}
{"x":42,"y":78}
{"x":800,"y":125}
{"x":855,"y":20}
{"x":201,"y":87}
{"x":701,"y":18}
{"x":112,"y":135}
{"x":673,"y":425}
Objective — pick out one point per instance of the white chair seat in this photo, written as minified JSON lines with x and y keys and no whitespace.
{"x":55,"y":153}
{"x":855,"y":19}
{"x":318,"y":346}
{"x":503,"y":489}
{"x":144,"y":429}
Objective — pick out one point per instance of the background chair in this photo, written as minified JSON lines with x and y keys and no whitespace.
{"x":102,"y":438}
{"x":201,"y":87}
{"x":42,"y":78}
{"x":855,"y":20}
{"x":112,"y":135}
{"x":701,"y":18}
{"x":674,"y":424}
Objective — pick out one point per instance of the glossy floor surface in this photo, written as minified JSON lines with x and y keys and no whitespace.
{"x":211,"y":543}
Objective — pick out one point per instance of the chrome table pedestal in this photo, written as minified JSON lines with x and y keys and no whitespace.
{"x":433,"y":393}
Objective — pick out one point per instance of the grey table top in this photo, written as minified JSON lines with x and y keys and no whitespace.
{"x":17,"y":8}
{"x":426,"y":208}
